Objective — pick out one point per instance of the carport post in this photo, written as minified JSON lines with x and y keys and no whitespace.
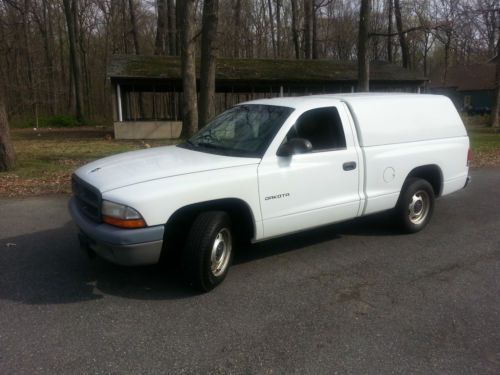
{"x":119,"y":100}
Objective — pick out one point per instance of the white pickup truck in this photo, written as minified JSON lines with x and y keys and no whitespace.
{"x":267,"y":168}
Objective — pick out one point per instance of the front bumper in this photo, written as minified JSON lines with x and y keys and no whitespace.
{"x":129,"y":247}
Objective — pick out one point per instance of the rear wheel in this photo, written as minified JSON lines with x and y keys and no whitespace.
{"x":208,"y":250}
{"x":415,"y":205}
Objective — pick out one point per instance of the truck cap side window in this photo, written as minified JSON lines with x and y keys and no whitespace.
{"x":322,"y":127}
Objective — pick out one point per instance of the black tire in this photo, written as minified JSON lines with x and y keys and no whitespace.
{"x":199,"y":248}
{"x":415,"y":205}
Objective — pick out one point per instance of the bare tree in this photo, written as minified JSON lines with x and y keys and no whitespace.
{"x":188,"y":66}
{"x":295,"y":31}
{"x":488,"y":26}
{"x":133,"y":29}
{"x":40,"y":54}
{"x":405,"y":54}
{"x":278,"y":27}
{"x":236,"y":28}
{"x":271,"y":26}
{"x":7,"y":155}
{"x":308,"y":28}
{"x":173,"y":48}
{"x":389,"y":30}
{"x":363,"y":37}
{"x":137,"y":47}
{"x":206,"y":109}
{"x":71,"y":12}
{"x":161,"y":28}
{"x":495,"y":112}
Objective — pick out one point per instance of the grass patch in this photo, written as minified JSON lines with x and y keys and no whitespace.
{"x":35,"y":158}
{"x":56,"y":121}
{"x":484,"y":141}
{"x":485,"y":147}
{"x":46,"y":159}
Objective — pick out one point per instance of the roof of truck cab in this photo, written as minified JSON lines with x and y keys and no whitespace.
{"x":388,"y":118}
{"x":298,"y":101}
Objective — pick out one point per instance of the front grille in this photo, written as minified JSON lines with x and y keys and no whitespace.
{"x":88,"y":198}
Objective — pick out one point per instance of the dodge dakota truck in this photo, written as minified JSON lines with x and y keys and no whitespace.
{"x":267,"y":168}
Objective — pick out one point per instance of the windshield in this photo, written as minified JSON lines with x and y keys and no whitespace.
{"x":245,"y":130}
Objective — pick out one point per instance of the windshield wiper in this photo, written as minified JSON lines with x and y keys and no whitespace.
{"x":210,"y":145}
{"x":224,"y":150}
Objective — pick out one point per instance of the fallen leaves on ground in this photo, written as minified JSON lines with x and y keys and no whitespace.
{"x":12,"y":185}
{"x":489,"y":158}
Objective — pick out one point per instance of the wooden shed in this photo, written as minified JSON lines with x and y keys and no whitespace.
{"x":147,"y":89}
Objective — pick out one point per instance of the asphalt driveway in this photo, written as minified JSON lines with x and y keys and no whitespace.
{"x":350,"y":298}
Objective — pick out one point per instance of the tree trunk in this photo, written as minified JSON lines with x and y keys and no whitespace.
{"x":161,"y":28}
{"x":278,"y":27}
{"x":29,"y":61}
{"x":236,"y":29}
{"x":133,"y":30}
{"x":405,"y":53}
{"x":137,"y":48}
{"x":178,"y":21}
{"x":206,"y":109}
{"x":308,"y":34}
{"x":447,"y":46}
{"x":314,"y":20}
{"x":70,"y":11}
{"x":124,"y":25}
{"x":7,"y":155}
{"x":495,"y":112}
{"x":188,"y":67}
{"x":295,"y":31}
{"x":50,"y":47}
{"x":363,"y":35}
{"x":427,"y":47}
{"x":389,"y":30}
{"x":172,"y":29}
{"x":492,"y":25}
{"x":271,"y":27}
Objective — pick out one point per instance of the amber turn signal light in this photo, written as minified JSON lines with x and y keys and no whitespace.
{"x":121,"y":223}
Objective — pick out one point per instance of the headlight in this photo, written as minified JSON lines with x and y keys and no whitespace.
{"x":121,"y":216}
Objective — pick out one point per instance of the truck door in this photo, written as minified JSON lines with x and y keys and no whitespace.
{"x":314,"y":188}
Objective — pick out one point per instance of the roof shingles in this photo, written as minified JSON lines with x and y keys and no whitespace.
{"x":163,"y":67}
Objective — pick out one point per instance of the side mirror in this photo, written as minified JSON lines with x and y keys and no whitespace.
{"x":294,"y":146}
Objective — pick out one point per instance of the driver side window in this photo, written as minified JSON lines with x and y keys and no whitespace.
{"x":322,"y":127}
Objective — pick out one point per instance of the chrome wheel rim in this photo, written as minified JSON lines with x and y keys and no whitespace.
{"x":418,"y":209}
{"x":221,"y":252}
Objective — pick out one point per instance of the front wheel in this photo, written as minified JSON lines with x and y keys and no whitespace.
{"x":208,"y":250}
{"x":415,"y":205}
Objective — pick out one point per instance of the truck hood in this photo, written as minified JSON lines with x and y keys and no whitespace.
{"x":145,"y":165}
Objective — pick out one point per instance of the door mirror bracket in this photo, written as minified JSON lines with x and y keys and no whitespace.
{"x":294,"y":146}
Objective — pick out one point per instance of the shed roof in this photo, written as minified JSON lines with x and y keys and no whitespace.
{"x":163,"y":67}
{"x":465,"y":78}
